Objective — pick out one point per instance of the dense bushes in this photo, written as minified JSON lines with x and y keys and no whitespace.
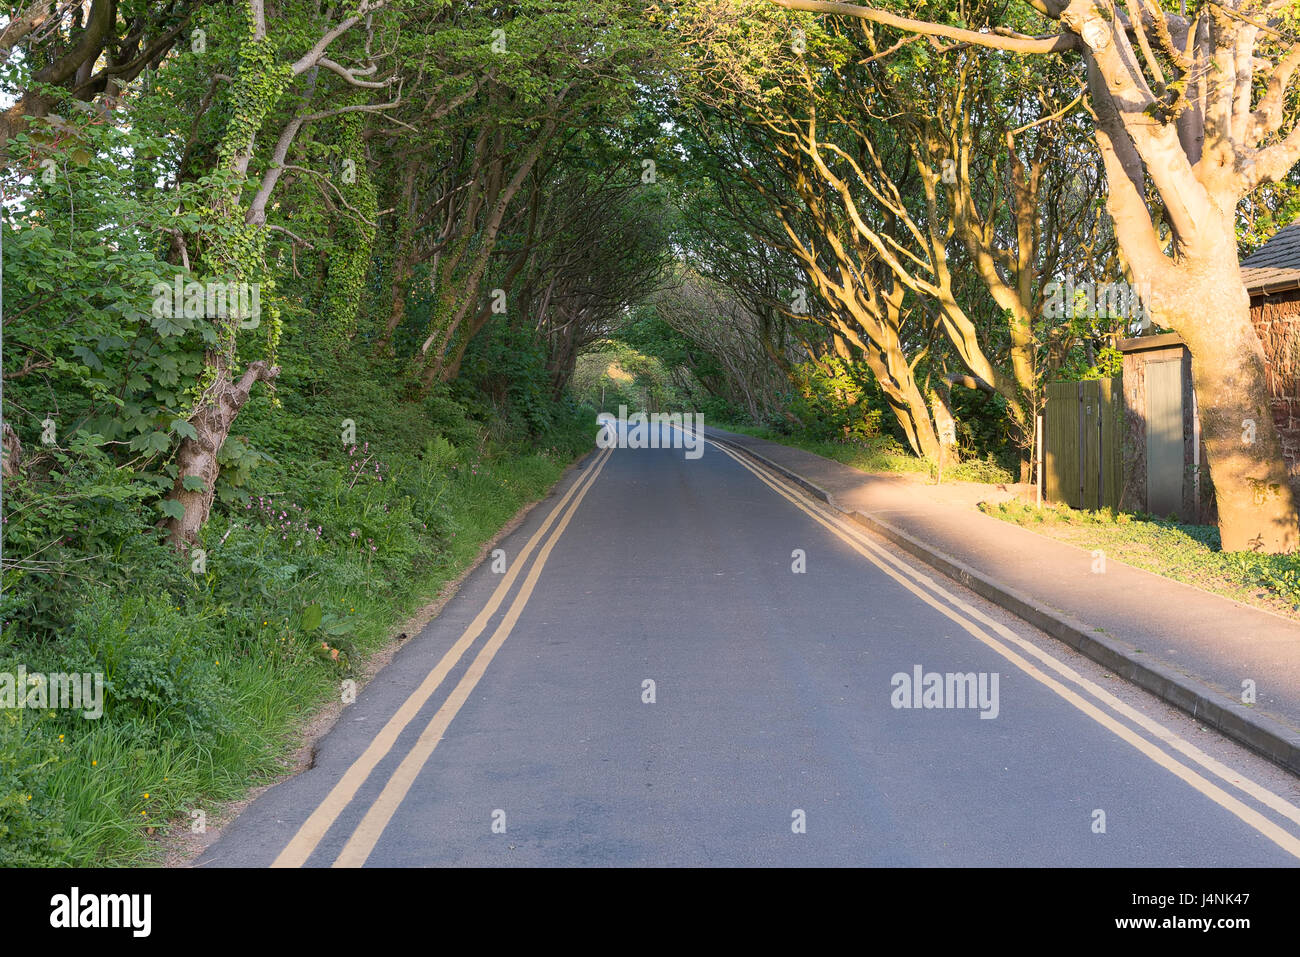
{"x":836,"y":400}
{"x":210,"y":657}
{"x":31,"y":819}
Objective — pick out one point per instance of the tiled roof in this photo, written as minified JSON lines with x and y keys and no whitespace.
{"x":1275,"y":265}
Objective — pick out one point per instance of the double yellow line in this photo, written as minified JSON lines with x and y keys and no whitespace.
{"x":363,"y":839}
{"x":1009,"y":645}
{"x":970,"y":619}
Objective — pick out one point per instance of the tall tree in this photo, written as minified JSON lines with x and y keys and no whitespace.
{"x":1198,"y":110}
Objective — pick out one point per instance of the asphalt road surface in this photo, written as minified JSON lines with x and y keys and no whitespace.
{"x":688,"y":662}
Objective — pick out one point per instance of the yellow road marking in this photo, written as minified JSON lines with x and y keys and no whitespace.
{"x":1278,"y":835}
{"x":1169,"y":737}
{"x":313,"y":830}
{"x":368,"y":832}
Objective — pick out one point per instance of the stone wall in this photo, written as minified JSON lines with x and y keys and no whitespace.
{"x":1277,"y":322}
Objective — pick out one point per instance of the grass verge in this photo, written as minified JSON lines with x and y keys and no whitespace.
{"x":875,"y":454}
{"x":1186,"y":553}
{"x":882,"y":453}
{"x":211,"y":661}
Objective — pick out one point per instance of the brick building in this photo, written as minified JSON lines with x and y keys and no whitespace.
{"x":1272,"y":277}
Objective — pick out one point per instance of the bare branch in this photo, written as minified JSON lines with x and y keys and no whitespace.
{"x":1048,"y":44}
{"x":1271,"y":109}
{"x":352,"y":76}
{"x":292,"y":235}
{"x":313,"y":56}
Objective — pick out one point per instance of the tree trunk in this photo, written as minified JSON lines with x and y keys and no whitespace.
{"x":913,"y":414}
{"x":404,"y":255}
{"x":904,"y":397}
{"x":397,"y":292}
{"x":236,"y":254}
{"x":1257,"y":511}
{"x":13,"y":452}
{"x":197,"y":457}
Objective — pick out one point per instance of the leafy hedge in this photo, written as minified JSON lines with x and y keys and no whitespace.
{"x":209,"y":663}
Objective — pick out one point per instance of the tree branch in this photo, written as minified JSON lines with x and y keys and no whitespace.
{"x":1049,"y":44}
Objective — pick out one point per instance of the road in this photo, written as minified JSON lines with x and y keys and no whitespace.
{"x":688,"y":662}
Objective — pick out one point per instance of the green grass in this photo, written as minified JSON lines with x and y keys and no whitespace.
{"x":881,"y":454}
{"x":269,"y":694}
{"x":113,"y":779}
{"x":209,"y":676}
{"x":986,"y":471}
{"x":877,"y":454}
{"x":1186,"y":553}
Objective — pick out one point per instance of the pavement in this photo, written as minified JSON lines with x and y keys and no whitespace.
{"x":690,"y":662}
{"x":1192,"y":648}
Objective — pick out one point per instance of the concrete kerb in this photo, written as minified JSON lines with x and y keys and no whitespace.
{"x":1256,"y":731}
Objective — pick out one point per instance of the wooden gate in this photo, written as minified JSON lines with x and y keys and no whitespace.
{"x":1081,"y":443}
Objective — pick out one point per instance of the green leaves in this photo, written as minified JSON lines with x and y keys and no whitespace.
{"x":155,"y":441}
{"x":168,"y":325}
{"x":311,"y":618}
{"x":172,"y":509}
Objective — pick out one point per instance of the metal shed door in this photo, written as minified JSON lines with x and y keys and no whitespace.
{"x":1164,"y":381}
